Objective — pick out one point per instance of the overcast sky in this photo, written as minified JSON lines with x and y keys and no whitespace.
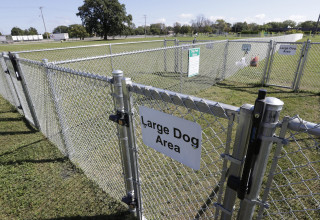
{"x":26,"y":13}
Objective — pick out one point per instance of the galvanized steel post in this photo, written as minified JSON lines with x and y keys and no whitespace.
{"x":58,"y":113}
{"x":236,"y":159}
{"x":123,"y":137}
{"x":223,"y":74}
{"x":26,"y":92}
{"x":267,"y":63}
{"x":111,"y":61}
{"x":133,"y":150}
{"x":305,"y":57}
{"x":268,"y":127}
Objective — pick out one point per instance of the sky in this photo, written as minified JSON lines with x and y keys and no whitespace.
{"x":26,"y":13}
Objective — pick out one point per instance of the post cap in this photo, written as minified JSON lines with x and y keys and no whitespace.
{"x":117,"y":72}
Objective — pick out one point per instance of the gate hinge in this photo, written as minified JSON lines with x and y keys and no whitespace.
{"x":120,"y":118}
{"x":130,"y":201}
{"x":258,"y":202}
{"x":223,"y":209}
{"x":275,"y":139}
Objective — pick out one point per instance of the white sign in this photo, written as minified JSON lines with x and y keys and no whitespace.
{"x":175,"y":137}
{"x":194,"y":62}
{"x":209,"y":46}
{"x":246,"y":47}
{"x":287,"y":49}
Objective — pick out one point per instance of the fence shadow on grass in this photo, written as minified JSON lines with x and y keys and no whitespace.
{"x":120,"y":216}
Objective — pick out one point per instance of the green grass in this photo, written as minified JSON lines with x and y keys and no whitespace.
{"x":158,"y":173}
{"x":38,"y":182}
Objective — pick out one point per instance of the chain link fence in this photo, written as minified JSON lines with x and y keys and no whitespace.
{"x":292,"y":188}
{"x":170,"y":190}
{"x":72,"y":109}
{"x":310,"y":74}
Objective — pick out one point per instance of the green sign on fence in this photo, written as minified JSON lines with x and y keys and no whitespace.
{"x":194,"y":61}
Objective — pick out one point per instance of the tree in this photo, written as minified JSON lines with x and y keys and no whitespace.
{"x":31,"y":31}
{"x":16,"y":31}
{"x":155,"y":29}
{"x":139,"y":30}
{"x":60,"y":29}
{"x":77,"y":31}
{"x":104,"y":17}
{"x":185,"y":29}
{"x":239,"y":26}
{"x":177,"y":27}
{"x":308,"y":24}
{"x":0,"y":33}
{"x":46,"y":35}
{"x":289,"y":24}
{"x":221,"y":25}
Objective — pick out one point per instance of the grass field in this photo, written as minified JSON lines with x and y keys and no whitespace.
{"x":38,"y":182}
{"x":58,"y":171}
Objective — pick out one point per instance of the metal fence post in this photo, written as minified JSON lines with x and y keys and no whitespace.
{"x":11,"y":86}
{"x":133,"y":150}
{"x":111,"y":57}
{"x":277,"y":152}
{"x":57,"y":112}
{"x":305,"y":57}
{"x":272,"y":54}
{"x":223,"y":75}
{"x":165,"y":55}
{"x":239,"y":150}
{"x":176,"y":56}
{"x":273,"y":107}
{"x":268,"y":58}
{"x":17,"y":68}
{"x":122,"y":119}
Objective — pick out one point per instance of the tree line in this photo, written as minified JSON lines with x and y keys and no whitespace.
{"x":105,"y":18}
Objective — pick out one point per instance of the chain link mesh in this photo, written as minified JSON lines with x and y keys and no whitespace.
{"x":294,"y":192}
{"x":246,"y":66}
{"x":5,"y":89}
{"x":69,"y":53}
{"x":311,"y":73}
{"x":41,"y":97}
{"x":84,"y":104}
{"x":285,"y":68}
{"x":18,"y":90}
{"x":169,"y":189}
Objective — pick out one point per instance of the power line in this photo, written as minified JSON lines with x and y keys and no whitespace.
{"x":45,"y":29}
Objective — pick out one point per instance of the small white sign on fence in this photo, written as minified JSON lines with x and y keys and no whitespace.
{"x":246,"y":47}
{"x":194,"y":62}
{"x":288,"y":49}
{"x":175,"y":137}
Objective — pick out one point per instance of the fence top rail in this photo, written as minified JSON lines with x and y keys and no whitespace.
{"x":288,"y":42}
{"x":248,"y":41}
{"x":132,"y":52}
{"x":299,"y":125}
{"x":84,"y":46}
{"x":51,"y":66}
{"x":202,"y":105}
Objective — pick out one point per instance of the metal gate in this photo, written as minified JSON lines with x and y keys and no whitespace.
{"x":285,"y":64}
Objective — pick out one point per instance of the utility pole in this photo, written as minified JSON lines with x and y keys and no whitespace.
{"x":145,"y":26}
{"x":317,"y":26}
{"x":44,"y":24}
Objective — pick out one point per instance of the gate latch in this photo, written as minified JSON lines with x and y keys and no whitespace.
{"x":120,"y":118}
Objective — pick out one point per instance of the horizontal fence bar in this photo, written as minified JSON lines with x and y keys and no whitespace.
{"x":298,"y":124}
{"x":129,"y":53}
{"x":126,"y":53}
{"x":202,"y":105}
{"x":85,"y":46}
